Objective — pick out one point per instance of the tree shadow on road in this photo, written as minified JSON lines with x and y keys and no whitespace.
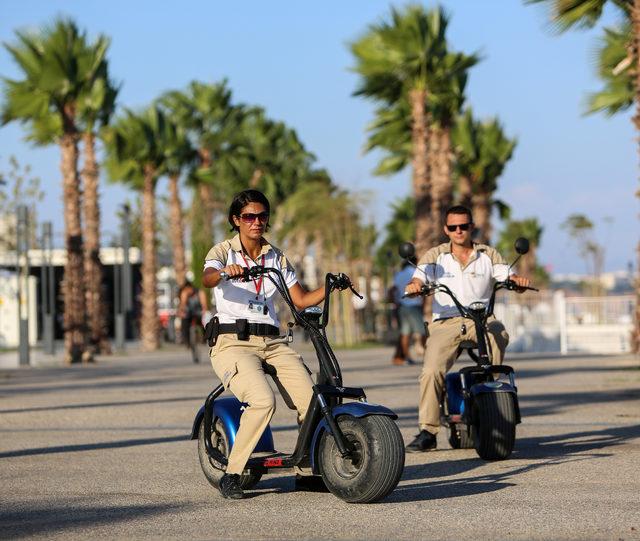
{"x":92,"y":446}
{"x":28,"y":519}
{"x":546,"y":451}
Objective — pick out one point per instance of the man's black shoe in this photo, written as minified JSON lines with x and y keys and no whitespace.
{"x":425,"y":441}
{"x":310,"y":483}
{"x":230,"y":486}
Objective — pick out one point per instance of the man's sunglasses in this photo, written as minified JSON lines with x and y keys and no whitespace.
{"x":250,"y":217}
{"x":463,"y":227}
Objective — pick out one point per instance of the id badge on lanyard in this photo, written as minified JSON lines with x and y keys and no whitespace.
{"x":256,"y":306}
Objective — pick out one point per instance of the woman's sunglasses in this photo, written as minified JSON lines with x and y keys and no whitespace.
{"x":463,"y":227}
{"x":250,"y":217}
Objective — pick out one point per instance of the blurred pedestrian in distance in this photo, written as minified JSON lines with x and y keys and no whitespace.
{"x":409,"y":314}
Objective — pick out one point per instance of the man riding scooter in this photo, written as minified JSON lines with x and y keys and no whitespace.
{"x":469,"y":270}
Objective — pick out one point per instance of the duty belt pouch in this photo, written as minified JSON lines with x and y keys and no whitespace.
{"x":242,"y":329}
{"x":211,"y":331}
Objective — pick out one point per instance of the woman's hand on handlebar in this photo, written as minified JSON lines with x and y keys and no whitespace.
{"x":233,"y":271}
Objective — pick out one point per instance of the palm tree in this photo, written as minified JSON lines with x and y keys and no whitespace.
{"x":616,"y":67}
{"x":395,"y":59}
{"x":206,"y":112}
{"x":482,"y":151}
{"x":95,"y":108}
{"x":136,"y":154}
{"x":585,"y":14}
{"x":59,"y":67}
{"x":407,"y":59}
{"x":528,"y":266}
{"x":180,"y":155}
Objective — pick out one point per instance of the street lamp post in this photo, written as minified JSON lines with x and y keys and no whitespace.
{"x":22,"y":277}
{"x":47,"y":289}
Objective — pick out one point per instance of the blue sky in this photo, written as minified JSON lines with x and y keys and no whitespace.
{"x":292,"y":58}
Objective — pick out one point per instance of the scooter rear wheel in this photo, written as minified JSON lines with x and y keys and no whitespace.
{"x":375,"y":466}
{"x":214,"y":471}
{"x":494,"y":425}
{"x":460,"y":437}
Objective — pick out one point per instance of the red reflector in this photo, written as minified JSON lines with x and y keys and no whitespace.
{"x":272,"y":462}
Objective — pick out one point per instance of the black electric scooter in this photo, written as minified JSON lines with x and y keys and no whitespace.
{"x":480,"y":404}
{"x":355,"y":446}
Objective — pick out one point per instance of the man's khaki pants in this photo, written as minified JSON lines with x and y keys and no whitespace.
{"x":239,"y":365}
{"x":445,"y":336}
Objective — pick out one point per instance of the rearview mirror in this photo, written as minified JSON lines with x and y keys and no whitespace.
{"x":407,"y":250}
{"x":522,"y":246}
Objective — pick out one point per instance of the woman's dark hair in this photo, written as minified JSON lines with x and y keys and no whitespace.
{"x":241,"y":200}
{"x":458,"y":209}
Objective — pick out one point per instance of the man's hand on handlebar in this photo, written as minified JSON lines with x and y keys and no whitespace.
{"x":522,"y":283}
{"x":413,"y":288}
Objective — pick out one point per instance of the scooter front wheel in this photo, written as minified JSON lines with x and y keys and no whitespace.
{"x":213,"y":470}
{"x":374,"y":467}
{"x":494,"y":425}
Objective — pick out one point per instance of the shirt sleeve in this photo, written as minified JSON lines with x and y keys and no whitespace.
{"x":501,"y":272}
{"x":288,"y":273}
{"x":213,"y":264}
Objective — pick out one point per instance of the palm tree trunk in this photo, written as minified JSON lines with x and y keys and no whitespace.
{"x":481,"y":209}
{"x":419,"y":161}
{"x":635,"y":19}
{"x":73,"y":283}
{"x":149,"y":324}
{"x":93,"y":271}
{"x":464,"y":192}
{"x":441,"y":187}
{"x":177,"y":230}
{"x":206,"y":195}
{"x":255,"y":178}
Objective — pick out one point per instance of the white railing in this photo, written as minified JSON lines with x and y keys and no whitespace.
{"x":549,"y":321}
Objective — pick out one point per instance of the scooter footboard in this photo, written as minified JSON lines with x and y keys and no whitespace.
{"x":355,"y":409}
{"x":229,"y":410}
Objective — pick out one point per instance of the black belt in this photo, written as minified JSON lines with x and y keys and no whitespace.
{"x":445,"y":318}
{"x":256,"y":329}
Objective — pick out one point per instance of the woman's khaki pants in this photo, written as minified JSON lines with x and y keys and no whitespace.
{"x":445,"y":336}
{"x":240,"y":366}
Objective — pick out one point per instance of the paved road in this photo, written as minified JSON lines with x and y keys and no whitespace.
{"x":101,"y":452}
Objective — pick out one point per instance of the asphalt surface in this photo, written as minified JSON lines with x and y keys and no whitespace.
{"x":101,"y":452}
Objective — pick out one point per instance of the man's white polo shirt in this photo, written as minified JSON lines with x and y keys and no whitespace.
{"x":471,"y":283}
{"x":233,"y":296}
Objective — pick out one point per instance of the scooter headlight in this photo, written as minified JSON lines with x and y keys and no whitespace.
{"x":477,"y":306}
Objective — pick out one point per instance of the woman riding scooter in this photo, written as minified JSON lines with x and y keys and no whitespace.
{"x":246,"y":319}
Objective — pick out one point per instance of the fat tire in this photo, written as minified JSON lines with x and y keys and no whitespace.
{"x":248,"y":479}
{"x":460,"y":437}
{"x":377,"y":473}
{"x":494,"y":425}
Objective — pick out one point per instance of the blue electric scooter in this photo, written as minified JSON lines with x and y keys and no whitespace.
{"x":356,"y":447}
{"x":480,"y":404}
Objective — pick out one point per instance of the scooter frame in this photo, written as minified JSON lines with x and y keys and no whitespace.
{"x":326,"y":403}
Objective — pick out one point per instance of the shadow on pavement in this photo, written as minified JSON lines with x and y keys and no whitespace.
{"x":102,"y":404}
{"x":550,"y":450}
{"x":92,"y":446}
{"x":37,"y":518}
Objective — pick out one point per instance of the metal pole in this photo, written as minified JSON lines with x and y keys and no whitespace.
{"x":119,"y":328}
{"x":49,"y":303}
{"x":23,"y":280}
{"x":127,"y":294}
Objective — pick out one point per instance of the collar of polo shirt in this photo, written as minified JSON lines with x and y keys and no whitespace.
{"x":236,"y":245}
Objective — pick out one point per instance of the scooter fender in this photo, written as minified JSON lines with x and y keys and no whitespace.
{"x":229,"y":410}
{"x":497,"y":387}
{"x":355,"y":409}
